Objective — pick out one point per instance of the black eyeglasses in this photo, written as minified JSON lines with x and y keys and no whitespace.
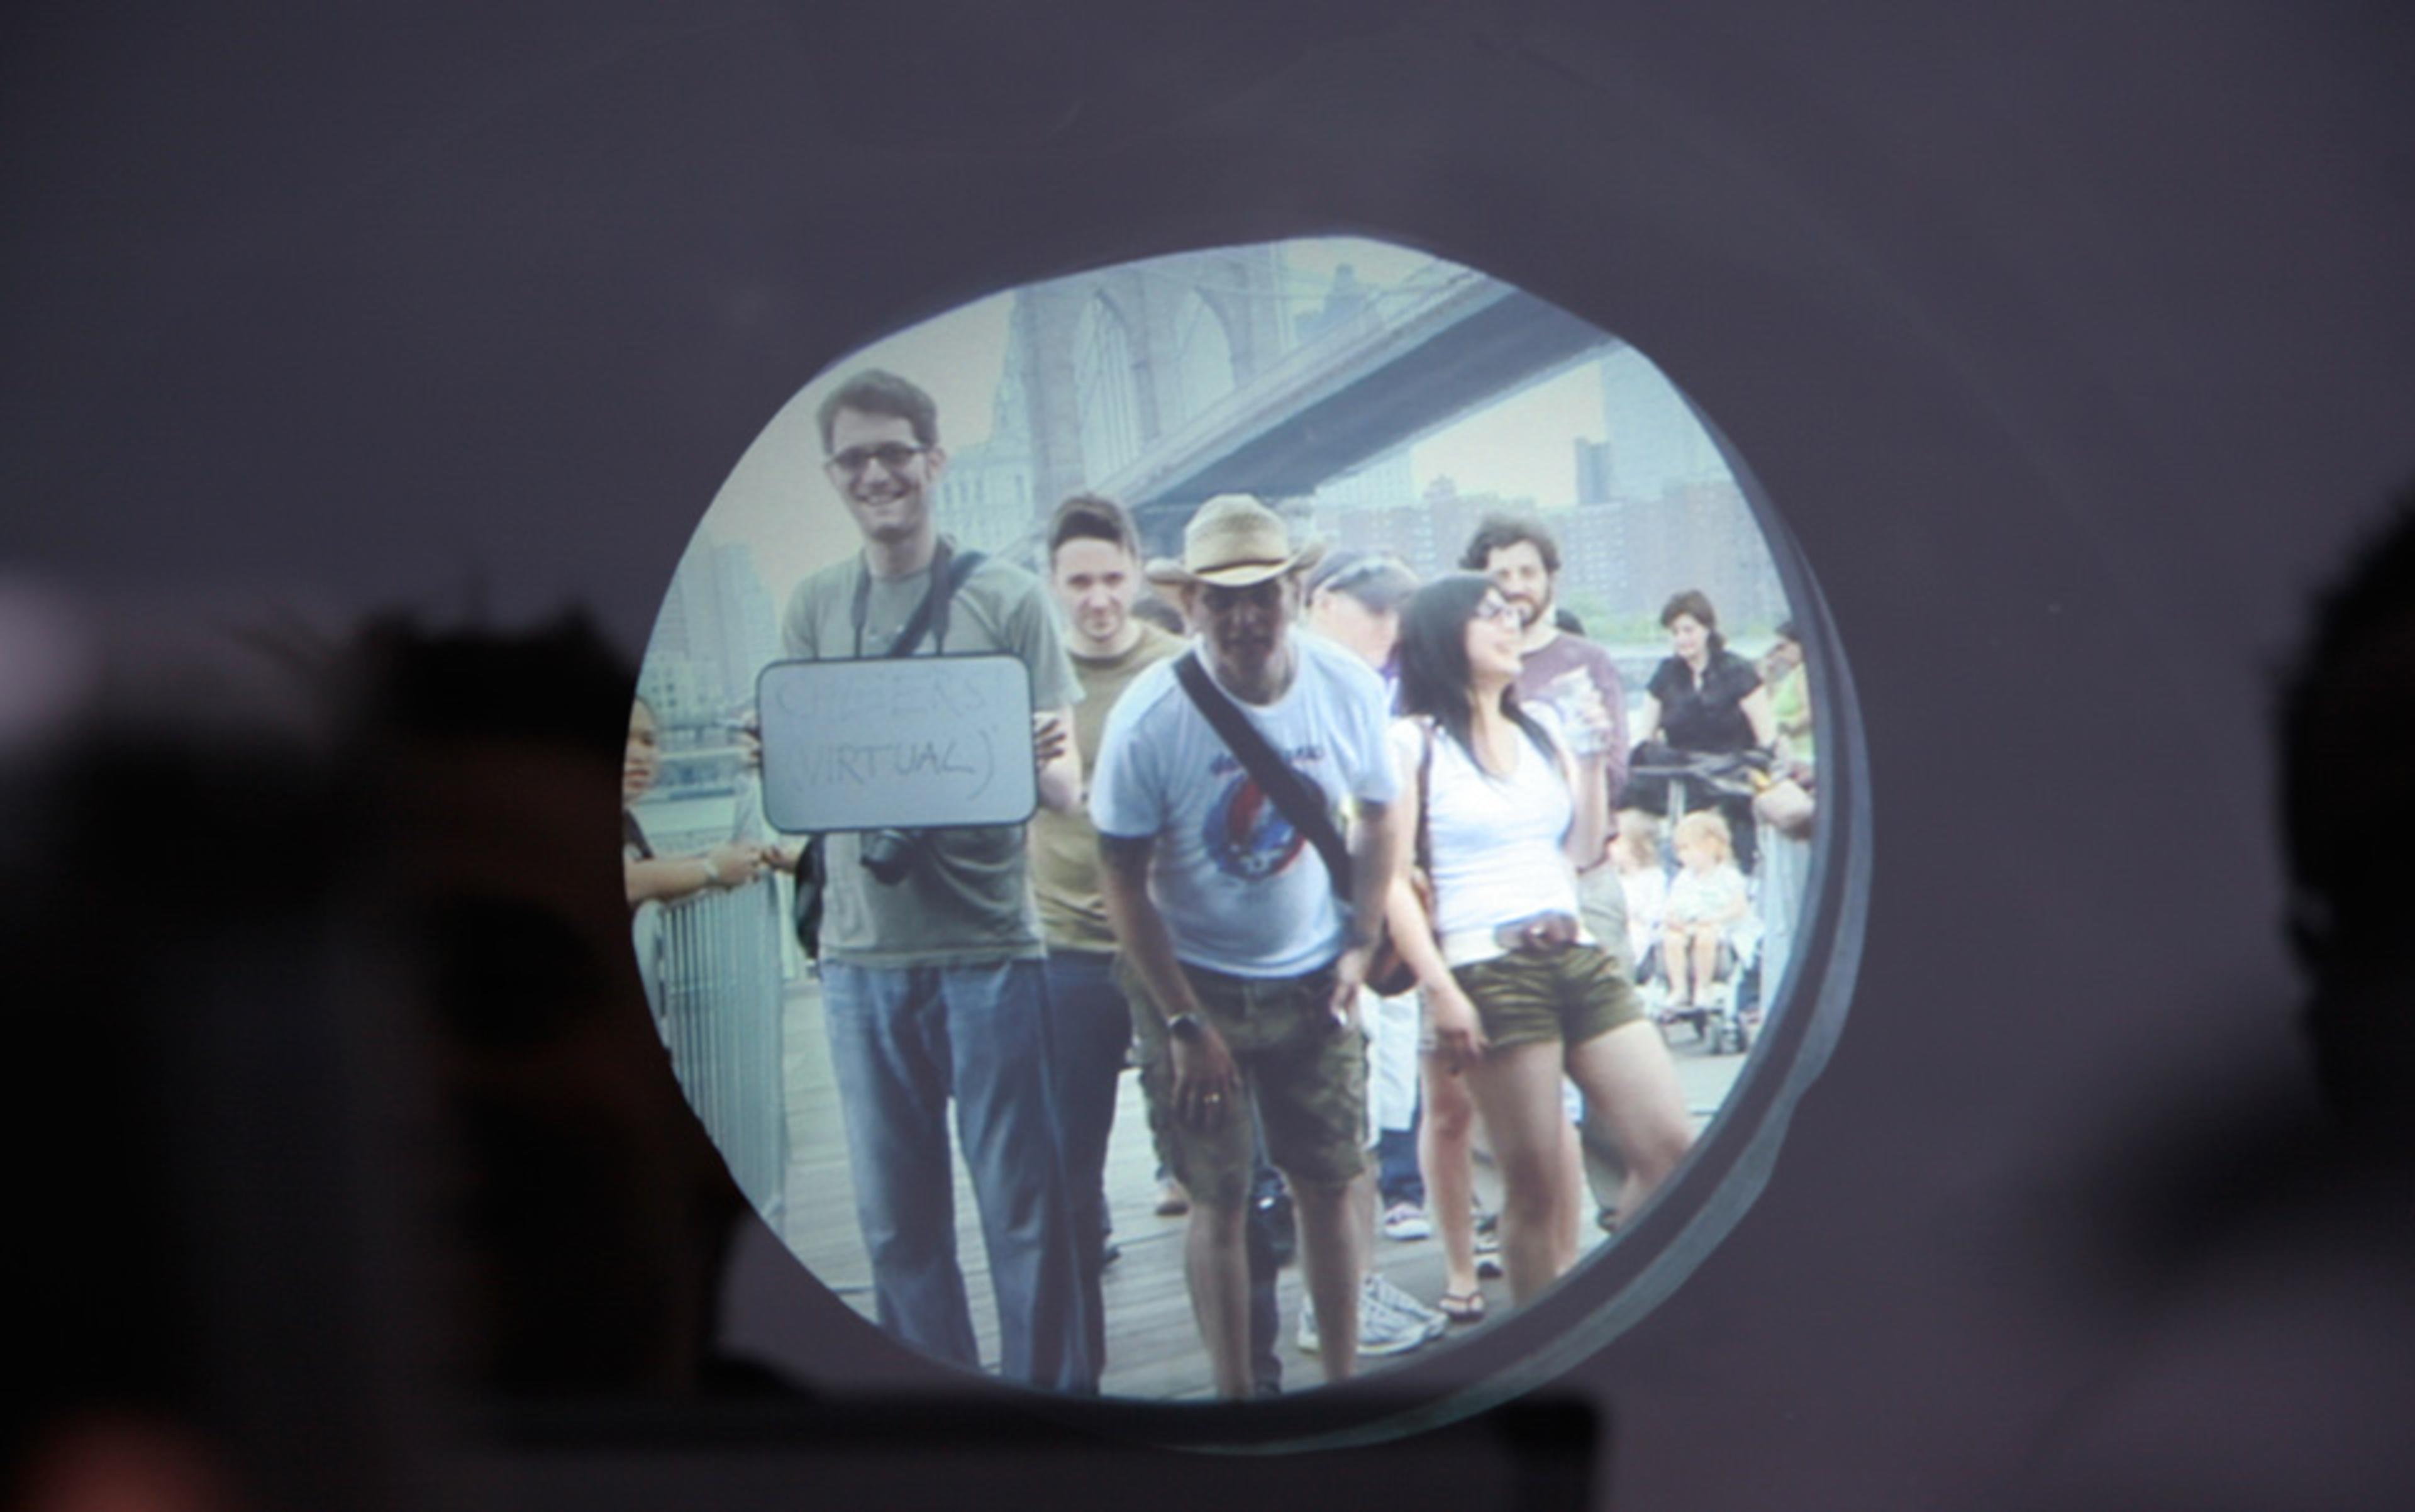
{"x":892,"y":454}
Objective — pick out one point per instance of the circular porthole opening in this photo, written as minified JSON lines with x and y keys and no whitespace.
{"x":963,"y":1097}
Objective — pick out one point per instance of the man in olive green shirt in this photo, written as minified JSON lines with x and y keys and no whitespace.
{"x":1094,"y":570}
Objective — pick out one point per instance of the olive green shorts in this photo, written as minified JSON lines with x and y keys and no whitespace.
{"x":1302,"y":1075}
{"x":1571,"y":996}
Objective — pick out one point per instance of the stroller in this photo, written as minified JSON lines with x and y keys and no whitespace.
{"x":1728,"y":1012}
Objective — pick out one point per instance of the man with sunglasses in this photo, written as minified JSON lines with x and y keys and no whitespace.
{"x":1243,"y":957}
{"x":933,"y":983}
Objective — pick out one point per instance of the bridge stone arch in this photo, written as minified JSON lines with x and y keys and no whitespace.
{"x":1240,"y":287}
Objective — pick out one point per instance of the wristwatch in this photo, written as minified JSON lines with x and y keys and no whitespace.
{"x":1186,"y":1028}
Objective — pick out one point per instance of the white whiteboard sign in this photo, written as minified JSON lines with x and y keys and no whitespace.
{"x":896,"y":742}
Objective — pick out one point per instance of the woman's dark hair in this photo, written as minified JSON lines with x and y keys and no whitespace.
{"x":1434,"y":674}
{"x":1693,"y":601}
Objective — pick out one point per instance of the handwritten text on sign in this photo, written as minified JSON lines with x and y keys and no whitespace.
{"x":901,"y":743}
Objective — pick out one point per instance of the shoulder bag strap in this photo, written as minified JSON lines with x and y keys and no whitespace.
{"x":949,"y":570}
{"x":1424,"y":845}
{"x":1294,"y":796}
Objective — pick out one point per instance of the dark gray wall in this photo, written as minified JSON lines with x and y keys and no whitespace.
{"x":2072,"y":342}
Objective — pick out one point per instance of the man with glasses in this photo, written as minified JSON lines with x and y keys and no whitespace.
{"x":933,"y":982}
{"x":1523,"y":562}
{"x":1243,"y":960}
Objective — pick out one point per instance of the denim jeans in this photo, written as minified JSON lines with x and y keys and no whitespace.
{"x":1398,"y":1180}
{"x":1091,"y":1024}
{"x":1392,"y":1095}
{"x":903,"y":1042}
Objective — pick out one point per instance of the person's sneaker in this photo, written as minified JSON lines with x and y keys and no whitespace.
{"x":1382,"y":1293}
{"x":1406,"y":1220}
{"x":1382,"y":1329}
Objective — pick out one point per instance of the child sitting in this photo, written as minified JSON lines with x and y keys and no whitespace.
{"x":1636,"y":854}
{"x":1706,"y":899}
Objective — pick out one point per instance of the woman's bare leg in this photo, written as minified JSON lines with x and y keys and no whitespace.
{"x":1575,"y":1196}
{"x":1518,"y":1091}
{"x":1445,"y":1139}
{"x":1632,"y":1084}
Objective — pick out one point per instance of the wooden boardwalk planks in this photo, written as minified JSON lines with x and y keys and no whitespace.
{"x":1153,"y":1351}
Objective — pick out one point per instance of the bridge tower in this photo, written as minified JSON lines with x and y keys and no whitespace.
{"x":1110,"y":362}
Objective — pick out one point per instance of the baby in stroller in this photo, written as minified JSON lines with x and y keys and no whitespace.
{"x":1692,"y":942}
{"x":1707,"y":900}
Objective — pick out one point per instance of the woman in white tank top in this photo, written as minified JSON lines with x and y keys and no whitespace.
{"x":1516,"y":990}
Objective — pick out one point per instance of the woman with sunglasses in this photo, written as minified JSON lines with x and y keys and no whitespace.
{"x":1517,"y":991}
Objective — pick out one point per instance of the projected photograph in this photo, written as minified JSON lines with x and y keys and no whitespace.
{"x":1215,"y":825}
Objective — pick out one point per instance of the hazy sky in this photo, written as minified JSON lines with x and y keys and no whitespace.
{"x":778,"y":500}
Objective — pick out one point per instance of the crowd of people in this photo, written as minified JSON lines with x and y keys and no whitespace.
{"x":1345,"y":864}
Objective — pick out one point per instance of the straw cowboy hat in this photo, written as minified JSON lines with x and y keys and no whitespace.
{"x":1234,"y":542}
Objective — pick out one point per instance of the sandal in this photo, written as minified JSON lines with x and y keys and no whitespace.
{"x":1461,"y":1307}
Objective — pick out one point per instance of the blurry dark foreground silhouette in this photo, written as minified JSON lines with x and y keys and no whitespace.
{"x":340,"y":1112}
{"x":2259,"y":1259}
{"x":355,"y":1165}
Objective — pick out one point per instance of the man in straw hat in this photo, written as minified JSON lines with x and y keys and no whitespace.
{"x":1242,"y":956}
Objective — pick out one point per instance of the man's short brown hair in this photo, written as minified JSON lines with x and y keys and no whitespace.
{"x":1089,"y":516}
{"x":876,"y":391}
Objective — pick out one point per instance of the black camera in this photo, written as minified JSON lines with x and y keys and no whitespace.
{"x":890,"y":855}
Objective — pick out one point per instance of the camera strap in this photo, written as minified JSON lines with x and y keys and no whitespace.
{"x":949,"y":570}
{"x":1294,"y":796}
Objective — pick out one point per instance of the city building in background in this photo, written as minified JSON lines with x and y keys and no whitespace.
{"x":717,"y":630}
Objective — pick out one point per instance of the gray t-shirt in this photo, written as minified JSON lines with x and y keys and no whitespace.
{"x":969,"y":897}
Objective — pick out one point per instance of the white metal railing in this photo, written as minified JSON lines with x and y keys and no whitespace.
{"x":713,"y":968}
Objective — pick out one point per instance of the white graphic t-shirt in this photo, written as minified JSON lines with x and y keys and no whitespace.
{"x":1242,"y":890}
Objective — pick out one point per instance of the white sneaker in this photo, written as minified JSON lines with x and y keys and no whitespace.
{"x":1383,"y":1328}
{"x":1382,"y":1293}
{"x":1406,"y":1220}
